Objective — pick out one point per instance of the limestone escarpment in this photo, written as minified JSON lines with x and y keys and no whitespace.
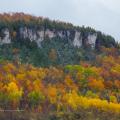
{"x":5,"y":38}
{"x":38,"y":35}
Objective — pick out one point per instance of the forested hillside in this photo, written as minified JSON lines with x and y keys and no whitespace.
{"x":52,"y":70}
{"x":42,"y":42}
{"x":72,"y":92}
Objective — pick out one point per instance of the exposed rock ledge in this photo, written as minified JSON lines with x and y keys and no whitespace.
{"x":5,"y":38}
{"x":39,"y":35}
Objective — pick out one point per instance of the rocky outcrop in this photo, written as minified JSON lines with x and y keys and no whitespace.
{"x":91,"y":40}
{"x":32,"y":35}
{"x":50,"y":34}
{"x":27,"y":33}
{"x":77,"y":39}
{"x":38,"y":35}
{"x":5,"y":37}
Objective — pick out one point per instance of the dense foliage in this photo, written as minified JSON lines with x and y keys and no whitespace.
{"x":57,"y":51}
{"x":53,"y":53}
{"x":63,"y":89}
{"x":58,"y":81}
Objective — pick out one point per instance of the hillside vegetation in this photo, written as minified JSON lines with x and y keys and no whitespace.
{"x":55,"y":51}
{"x":57,"y":80}
{"x":70,"y":92}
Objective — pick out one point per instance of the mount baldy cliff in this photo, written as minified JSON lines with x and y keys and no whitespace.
{"x":19,"y":26}
{"x":44,"y":42}
{"x":38,"y":35}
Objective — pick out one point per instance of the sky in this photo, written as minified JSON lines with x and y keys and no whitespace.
{"x":103,"y":15}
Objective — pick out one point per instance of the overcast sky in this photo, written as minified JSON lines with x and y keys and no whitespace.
{"x":103,"y":15}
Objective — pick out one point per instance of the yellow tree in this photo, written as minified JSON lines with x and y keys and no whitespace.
{"x":14,"y":94}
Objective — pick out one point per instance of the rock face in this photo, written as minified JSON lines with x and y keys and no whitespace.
{"x":50,"y":34}
{"x":5,"y":38}
{"x":91,"y":40}
{"x":77,"y":39}
{"x":26,"y":33}
{"x":39,"y":35}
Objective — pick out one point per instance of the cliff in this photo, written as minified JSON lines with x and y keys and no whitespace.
{"x":21,"y":27}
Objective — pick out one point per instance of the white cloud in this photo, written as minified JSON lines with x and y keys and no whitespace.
{"x":113,"y":5}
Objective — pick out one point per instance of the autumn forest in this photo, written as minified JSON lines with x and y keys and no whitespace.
{"x":84,"y":84}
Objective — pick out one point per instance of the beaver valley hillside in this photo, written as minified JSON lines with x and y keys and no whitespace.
{"x":53,"y":70}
